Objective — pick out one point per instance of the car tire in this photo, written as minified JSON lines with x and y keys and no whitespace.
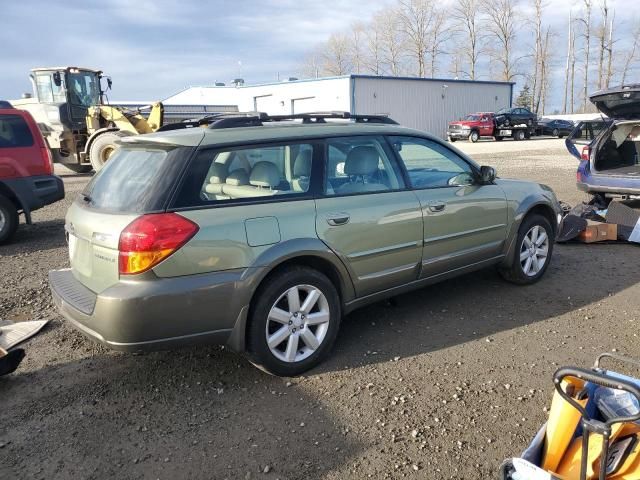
{"x":523,"y":270}
{"x":287,"y":347}
{"x":474,"y":136}
{"x":529,"y":122}
{"x":103,"y":147}
{"x":556,"y":133}
{"x":76,"y":168}
{"x":519,"y":135}
{"x":452,"y":139}
{"x":8,"y":220}
{"x":499,"y":139}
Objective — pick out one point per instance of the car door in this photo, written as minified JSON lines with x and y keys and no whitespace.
{"x":367,"y":216}
{"x":464,"y":221}
{"x":486,"y":126}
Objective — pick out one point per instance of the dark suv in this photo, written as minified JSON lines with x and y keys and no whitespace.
{"x":261,"y":233}
{"x":26,"y":170}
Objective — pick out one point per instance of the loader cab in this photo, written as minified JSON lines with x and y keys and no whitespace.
{"x":72,"y":90}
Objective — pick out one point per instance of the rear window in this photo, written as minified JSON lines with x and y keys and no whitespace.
{"x":14,"y":132}
{"x":136,"y":180}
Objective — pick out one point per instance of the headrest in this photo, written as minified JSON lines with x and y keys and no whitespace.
{"x":302,"y":165}
{"x":361,"y":160}
{"x":237,"y":177}
{"x":218,"y":173}
{"x":265,"y":174}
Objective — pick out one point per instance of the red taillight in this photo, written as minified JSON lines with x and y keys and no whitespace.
{"x":47,"y":160}
{"x":149,"y":239}
{"x":586,"y":151}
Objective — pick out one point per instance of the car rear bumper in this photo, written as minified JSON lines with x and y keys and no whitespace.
{"x":158,"y":313}
{"x":607,"y":189}
{"x":37,"y":191}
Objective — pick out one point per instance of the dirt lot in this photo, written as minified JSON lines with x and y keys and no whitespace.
{"x":444,"y":384}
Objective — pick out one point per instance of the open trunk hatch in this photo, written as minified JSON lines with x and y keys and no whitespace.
{"x":619,"y":152}
{"x":620,"y":102}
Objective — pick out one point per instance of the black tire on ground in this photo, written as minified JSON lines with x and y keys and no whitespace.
{"x":499,"y":139}
{"x":515,"y":272}
{"x":103,"y":147}
{"x":519,"y":135}
{"x":474,"y":136}
{"x":266,"y":297}
{"x":556,"y":133}
{"x":76,"y":168}
{"x":8,"y":219}
{"x":452,"y":139}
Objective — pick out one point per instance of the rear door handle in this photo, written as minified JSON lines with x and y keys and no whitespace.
{"x":337,"y":219}
{"x":436,"y":206}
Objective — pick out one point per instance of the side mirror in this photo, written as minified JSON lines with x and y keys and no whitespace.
{"x":57,"y":79}
{"x":487,"y":175}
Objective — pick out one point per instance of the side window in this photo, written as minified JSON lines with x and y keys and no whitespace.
{"x":14,"y":132}
{"x":360,"y":165}
{"x":247,"y":174}
{"x":431,"y":165}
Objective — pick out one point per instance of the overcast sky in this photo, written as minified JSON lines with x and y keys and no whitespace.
{"x":154,"y":48}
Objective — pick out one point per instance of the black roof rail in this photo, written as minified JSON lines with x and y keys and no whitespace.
{"x":258,"y":119}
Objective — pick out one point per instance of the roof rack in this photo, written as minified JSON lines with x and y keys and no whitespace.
{"x":258,"y":119}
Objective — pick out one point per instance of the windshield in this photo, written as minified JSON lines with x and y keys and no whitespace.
{"x":504,"y":110}
{"x":473,"y":118}
{"x":83,"y":88}
{"x":135,"y":180}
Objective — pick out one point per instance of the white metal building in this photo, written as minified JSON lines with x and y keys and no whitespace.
{"x":424,"y":103}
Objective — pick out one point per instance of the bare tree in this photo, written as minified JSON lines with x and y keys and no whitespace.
{"x":632,"y":53}
{"x":392,"y":38}
{"x":466,"y":16}
{"x":439,"y":36}
{"x":356,"y":47}
{"x":573,"y":71}
{"x":501,"y":27}
{"x":601,"y":35}
{"x":374,"y":46}
{"x":417,"y":19}
{"x":610,"y":51}
{"x":313,"y":64}
{"x":586,"y":21}
{"x":568,"y":63}
{"x":546,"y":56}
{"x":537,"y":53}
{"x":336,"y":55}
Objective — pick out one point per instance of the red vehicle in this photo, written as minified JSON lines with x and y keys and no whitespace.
{"x":27,"y":181}
{"x":483,"y":124}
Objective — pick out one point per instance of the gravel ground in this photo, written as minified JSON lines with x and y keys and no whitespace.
{"x":442,"y":383}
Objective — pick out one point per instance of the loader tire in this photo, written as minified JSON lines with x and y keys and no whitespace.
{"x":103,"y":147}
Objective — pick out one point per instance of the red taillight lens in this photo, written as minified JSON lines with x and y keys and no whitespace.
{"x":149,"y":239}
{"x":586,"y":151}
{"x":47,"y":160}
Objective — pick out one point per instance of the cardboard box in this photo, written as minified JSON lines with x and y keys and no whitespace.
{"x":598,"y":232}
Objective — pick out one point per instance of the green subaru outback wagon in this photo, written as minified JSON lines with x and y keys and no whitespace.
{"x":262,"y":232}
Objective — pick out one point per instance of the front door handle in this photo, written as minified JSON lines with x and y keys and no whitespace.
{"x":337,"y":219}
{"x":436,"y":206}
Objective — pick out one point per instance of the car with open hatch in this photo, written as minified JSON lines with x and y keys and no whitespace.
{"x":261,"y":232}
{"x":608,"y":148}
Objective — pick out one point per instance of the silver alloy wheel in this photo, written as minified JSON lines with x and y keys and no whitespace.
{"x":3,"y":220}
{"x":534,"y":250}
{"x":298,"y":323}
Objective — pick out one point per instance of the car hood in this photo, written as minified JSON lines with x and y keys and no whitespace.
{"x":620,"y":102}
{"x":463,"y":123}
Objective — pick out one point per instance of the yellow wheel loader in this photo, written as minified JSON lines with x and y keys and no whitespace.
{"x":80,"y":128}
